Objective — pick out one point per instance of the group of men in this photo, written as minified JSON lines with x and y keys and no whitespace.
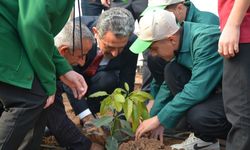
{"x":182,"y":43}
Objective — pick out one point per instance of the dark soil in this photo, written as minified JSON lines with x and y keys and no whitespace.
{"x":144,"y":144}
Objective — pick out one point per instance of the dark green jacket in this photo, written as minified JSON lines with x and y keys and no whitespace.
{"x":160,"y":91}
{"x":198,"y":53}
{"x":27,"y":30}
{"x":193,"y":15}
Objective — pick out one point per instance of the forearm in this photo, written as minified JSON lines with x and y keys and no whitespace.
{"x":238,"y":12}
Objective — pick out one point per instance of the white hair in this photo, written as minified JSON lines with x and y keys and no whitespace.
{"x":65,"y":37}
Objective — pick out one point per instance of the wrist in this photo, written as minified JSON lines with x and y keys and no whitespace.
{"x":157,"y":121}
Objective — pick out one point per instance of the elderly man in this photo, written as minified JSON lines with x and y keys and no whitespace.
{"x":110,"y":63}
{"x":65,"y":131}
{"x":193,"y":78}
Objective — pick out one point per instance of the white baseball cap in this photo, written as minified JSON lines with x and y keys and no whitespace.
{"x":155,"y":25}
{"x":162,"y":4}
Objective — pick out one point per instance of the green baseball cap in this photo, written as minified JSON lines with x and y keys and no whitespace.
{"x":155,"y":25}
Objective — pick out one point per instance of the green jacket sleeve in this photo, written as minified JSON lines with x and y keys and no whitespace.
{"x":35,"y":29}
{"x":206,"y":74}
{"x":154,"y":88}
{"x":162,"y":97}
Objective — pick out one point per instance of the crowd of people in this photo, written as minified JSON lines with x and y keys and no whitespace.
{"x":195,"y":68}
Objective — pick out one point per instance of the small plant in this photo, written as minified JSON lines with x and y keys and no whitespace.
{"x":121,"y":112}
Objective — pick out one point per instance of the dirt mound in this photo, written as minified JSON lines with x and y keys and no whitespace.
{"x":144,"y":144}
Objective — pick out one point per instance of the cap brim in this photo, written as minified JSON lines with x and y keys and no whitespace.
{"x":139,"y":46}
{"x":151,"y":8}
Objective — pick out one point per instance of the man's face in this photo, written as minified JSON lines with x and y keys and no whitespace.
{"x":111,"y":45}
{"x":163,"y":48}
{"x":78,"y":58}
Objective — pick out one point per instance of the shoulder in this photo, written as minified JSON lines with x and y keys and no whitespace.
{"x":203,"y":37}
{"x":205,"y":17}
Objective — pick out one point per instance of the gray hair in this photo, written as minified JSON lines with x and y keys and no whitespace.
{"x":65,"y":37}
{"x":117,"y":20}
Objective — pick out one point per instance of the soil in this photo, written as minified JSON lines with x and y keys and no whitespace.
{"x":144,"y":144}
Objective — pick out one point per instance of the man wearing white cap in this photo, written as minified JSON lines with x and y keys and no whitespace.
{"x":193,"y":78}
{"x":184,"y":10}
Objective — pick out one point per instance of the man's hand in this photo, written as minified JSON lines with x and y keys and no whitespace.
{"x":76,"y":82}
{"x":105,"y":3}
{"x":229,"y":41}
{"x":49,"y":101}
{"x":146,"y":126}
{"x":96,"y":146}
{"x":158,"y":133}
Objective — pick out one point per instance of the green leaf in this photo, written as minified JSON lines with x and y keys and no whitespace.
{"x":118,"y":106}
{"x":116,"y":125}
{"x":119,"y":98}
{"x":119,"y":91}
{"x":135,"y":119}
{"x":127,"y":108}
{"x":139,"y":109}
{"x":126,"y":86}
{"x":144,"y":112}
{"x":105,"y":105}
{"x":140,"y":96}
{"x":125,"y":124}
{"x":128,"y":132}
{"x":144,"y":94}
{"x":103,"y":108}
{"x":104,"y":121}
{"x":98,"y":94}
{"x":111,"y":143}
{"x":137,"y":98}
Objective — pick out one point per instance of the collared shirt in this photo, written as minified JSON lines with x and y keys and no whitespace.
{"x":198,"y":53}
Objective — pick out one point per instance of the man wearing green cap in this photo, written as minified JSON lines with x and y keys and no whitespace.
{"x":192,"y":78}
{"x":184,"y":10}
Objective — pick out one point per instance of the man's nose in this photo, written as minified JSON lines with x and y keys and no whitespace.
{"x":115,"y":52}
{"x":81,"y":62}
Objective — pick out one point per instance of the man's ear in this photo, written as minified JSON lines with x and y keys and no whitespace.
{"x":180,"y":7}
{"x":63,"y":49}
{"x":94,"y":29}
{"x":173,"y":39}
